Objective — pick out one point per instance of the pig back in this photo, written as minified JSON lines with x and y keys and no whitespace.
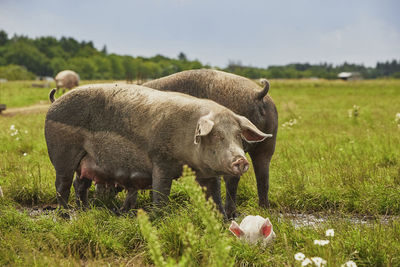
{"x":232,"y":91}
{"x":125,"y":125}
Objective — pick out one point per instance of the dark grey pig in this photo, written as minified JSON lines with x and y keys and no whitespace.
{"x":245,"y":98}
{"x":139,"y":138}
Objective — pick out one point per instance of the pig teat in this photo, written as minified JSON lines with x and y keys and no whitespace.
{"x":253,"y":229}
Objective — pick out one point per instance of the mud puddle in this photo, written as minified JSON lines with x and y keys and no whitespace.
{"x":299,"y":220}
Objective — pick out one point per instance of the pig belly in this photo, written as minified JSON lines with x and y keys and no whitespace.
{"x":125,"y":178}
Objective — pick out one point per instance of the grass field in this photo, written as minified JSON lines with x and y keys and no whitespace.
{"x":337,"y":157}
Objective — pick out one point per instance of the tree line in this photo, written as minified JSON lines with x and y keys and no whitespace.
{"x":22,"y":57}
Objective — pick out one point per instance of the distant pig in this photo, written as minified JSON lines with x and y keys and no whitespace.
{"x":140,"y":138}
{"x":254,"y":229}
{"x":66,"y":79}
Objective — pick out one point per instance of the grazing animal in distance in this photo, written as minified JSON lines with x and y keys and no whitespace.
{"x":67,"y":79}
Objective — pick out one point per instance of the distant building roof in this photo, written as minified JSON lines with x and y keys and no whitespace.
{"x":345,"y":75}
{"x":349,"y":76}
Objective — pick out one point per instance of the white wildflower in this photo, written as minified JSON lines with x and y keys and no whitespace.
{"x":321,"y":242}
{"x":350,"y":112}
{"x":306,"y":262}
{"x":299,"y":256}
{"x":26,"y":131}
{"x":397,"y":119}
{"x":349,"y":264}
{"x":330,"y":232}
{"x":318,"y":261}
{"x":14,"y":131}
{"x":17,"y":138}
{"x":25,"y":154}
{"x":290,"y":123}
{"x":355,"y":110}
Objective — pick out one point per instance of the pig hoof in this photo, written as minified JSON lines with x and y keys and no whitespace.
{"x":116,"y":212}
{"x":48,"y":208}
{"x":233,"y":215}
{"x":264,"y":205}
{"x":63,"y":214}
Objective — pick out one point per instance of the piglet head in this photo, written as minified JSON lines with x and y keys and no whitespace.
{"x":254,"y":229}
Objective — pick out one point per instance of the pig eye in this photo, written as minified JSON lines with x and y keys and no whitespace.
{"x":217,"y":136}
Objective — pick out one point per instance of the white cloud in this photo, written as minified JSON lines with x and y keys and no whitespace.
{"x":369,"y":40}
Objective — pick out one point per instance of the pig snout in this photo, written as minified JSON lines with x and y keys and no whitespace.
{"x":240,"y":166}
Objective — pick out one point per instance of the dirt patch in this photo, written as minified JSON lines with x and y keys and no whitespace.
{"x":38,"y":108}
{"x":300,"y":220}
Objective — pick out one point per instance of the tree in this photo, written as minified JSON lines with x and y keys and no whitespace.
{"x":70,"y":46}
{"x":3,"y":38}
{"x":25,"y":54}
{"x":15,"y":72}
{"x":58,"y":64}
{"x":117,"y":69}
{"x":182,"y":57}
{"x":103,"y":68}
{"x":130,"y":68}
{"x":104,"y":50}
{"x":85,"y":67}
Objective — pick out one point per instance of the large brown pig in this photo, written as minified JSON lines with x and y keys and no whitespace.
{"x":245,"y":98}
{"x":140,"y":138}
{"x":66,"y":79}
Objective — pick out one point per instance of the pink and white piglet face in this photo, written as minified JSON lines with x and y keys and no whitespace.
{"x":254,"y":229}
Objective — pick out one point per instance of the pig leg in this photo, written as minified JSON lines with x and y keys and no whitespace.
{"x":63,"y":186}
{"x":161,"y":185}
{"x":81,"y":185}
{"x":261,"y":162}
{"x":213,"y":189}
{"x":64,"y":175}
{"x":130,"y":201}
{"x":161,"y":190}
{"x":231,"y":185}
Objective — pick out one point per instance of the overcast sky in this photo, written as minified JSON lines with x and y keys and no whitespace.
{"x":255,"y":32}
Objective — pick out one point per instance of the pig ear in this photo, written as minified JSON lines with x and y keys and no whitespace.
{"x":235,"y":229}
{"x":250,"y":133}
{"x":204,"y":127}
{"x":266,"y":228}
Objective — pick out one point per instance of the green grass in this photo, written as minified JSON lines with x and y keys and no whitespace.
{"x":326,"y":163}
{"x":22,"y":93}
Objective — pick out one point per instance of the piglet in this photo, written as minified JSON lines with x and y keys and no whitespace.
{"x":253,"y":229}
